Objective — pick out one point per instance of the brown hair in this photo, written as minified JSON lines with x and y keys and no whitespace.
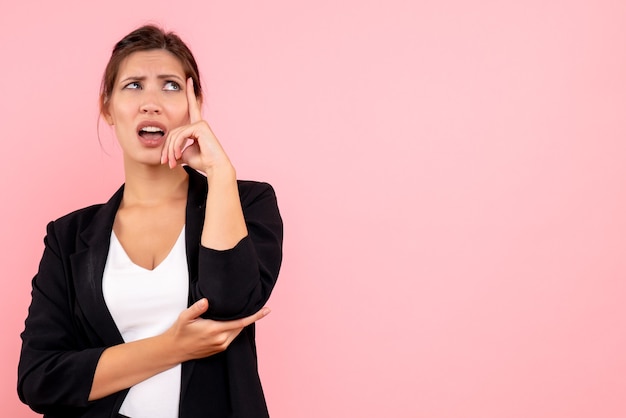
{"x":143,"y":39}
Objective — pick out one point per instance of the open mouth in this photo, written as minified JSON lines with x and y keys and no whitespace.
{"x":151,"y":133}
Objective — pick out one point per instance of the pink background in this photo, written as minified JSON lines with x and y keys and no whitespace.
{"x":451,"y":176}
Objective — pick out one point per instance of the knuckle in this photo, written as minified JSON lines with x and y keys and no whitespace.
{"x":224,"y":345}
{"x":222,"y":340}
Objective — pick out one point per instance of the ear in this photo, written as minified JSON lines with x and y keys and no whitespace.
{"x":107,"y":116}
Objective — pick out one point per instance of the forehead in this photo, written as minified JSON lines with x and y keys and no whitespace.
{"x":154,"y":61}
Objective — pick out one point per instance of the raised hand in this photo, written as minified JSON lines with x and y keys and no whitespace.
{"x":204,"y":153}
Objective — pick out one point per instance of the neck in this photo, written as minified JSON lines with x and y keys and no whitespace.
{"x":147,"y":185}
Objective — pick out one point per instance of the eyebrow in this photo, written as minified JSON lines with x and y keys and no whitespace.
{"x":160,"y":77}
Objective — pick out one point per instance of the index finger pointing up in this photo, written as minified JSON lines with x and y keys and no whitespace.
{"x":195,"y":113}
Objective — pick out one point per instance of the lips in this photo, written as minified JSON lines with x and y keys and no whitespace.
{"x":151,"y":133}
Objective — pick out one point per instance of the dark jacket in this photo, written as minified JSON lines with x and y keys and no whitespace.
{"x":69,"y":326}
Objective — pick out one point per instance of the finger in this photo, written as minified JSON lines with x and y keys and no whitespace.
{"x":239,"y":324}
{"x":171,"y":155}
{"x":173,"y":146}
{"x":164,"y":153}
{"x":244,"y":322}
{"x":167,"y":153}
{"x":231,"y":336}
{"x":166,"y":148}
{"x":177,"y":141}
{"x":195,"y":310}
{"x":195,"y":113}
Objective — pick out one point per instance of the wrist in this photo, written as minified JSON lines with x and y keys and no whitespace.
{"x":221,"y":173}
{"x":169,"y":350}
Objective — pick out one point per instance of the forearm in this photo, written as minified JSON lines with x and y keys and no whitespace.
{"x":190,"y":337}
{"x":238,"y":281}
{"x":125,"y":365}
{"x":224,"y":224}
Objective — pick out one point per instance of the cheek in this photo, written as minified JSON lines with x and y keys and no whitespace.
{"x":179,"y":114}
{"x":122,"y":131}
{"x":123,"y":123}
{"x":124,"y":119}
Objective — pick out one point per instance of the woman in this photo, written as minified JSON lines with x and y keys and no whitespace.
{"x":145,"y":306}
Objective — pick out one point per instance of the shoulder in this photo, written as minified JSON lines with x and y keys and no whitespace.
{"x":79,"y":217}
{"x":258,"y":201}
{"x":252,"y":190}
{"x":73,"y":223}
{"x":256,"y":194}
{"x":253,"y":194}
{"x":98,"y":217}
{"x":92,"y":222}
{"x":247,"y":188}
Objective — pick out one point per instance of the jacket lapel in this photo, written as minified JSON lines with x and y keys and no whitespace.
{"x":88,"y":267}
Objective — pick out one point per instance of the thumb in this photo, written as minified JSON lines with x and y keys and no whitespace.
{"x":195,"y":310}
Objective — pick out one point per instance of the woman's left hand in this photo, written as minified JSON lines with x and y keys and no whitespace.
{"x":204,"y":153}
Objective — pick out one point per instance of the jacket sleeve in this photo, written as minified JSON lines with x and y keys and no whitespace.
{"x":238,"y":282}
{"x":55,"y":369}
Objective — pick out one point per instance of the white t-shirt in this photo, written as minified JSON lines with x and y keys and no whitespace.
{"x":145,"y":303}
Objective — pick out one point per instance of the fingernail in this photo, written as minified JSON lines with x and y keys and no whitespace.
{"x":266,"y":311}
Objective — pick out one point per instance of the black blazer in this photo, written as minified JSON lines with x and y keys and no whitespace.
{"x":69,"y":326}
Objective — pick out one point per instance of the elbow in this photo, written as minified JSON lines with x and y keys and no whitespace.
{"x":33,"y":395}
{"x":228,"y":305}
{"x":236,"y":301}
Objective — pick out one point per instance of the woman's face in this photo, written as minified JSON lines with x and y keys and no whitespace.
{"x":148,"y":100}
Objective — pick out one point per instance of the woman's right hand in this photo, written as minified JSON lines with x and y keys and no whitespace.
{"x":194,"y":337}
{"x":191,"y":337}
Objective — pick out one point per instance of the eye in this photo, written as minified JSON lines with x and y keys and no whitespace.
{"x":133,"y":85}
{"x":171,"y":85}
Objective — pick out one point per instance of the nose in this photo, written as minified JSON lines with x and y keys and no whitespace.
{"x":150,"y":105}
{"x":149,"y":108}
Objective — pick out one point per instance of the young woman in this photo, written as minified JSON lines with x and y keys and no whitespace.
{"x":145,"y":306}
